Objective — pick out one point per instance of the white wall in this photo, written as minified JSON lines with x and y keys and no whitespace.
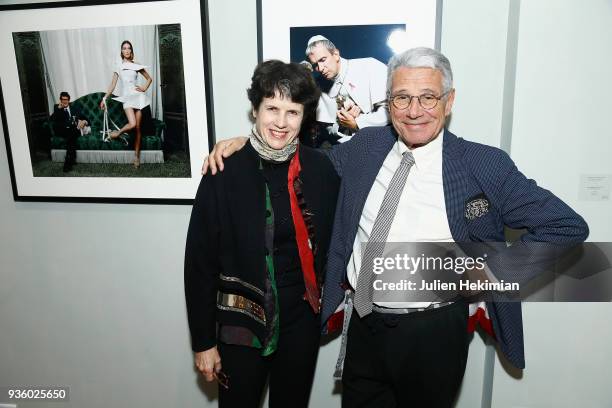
{"x":561,"y":131}
{"x":91,"y":295}
{"x":475,"y":43}
{"x":474,"y":40}
{"x":233,"y":38}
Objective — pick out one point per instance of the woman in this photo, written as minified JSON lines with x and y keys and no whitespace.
{"x":131,"y":95}
{"x":256,"y":250}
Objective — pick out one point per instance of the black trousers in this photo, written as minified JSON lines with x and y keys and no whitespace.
{"x":70,"y":133}
{"x":406,"y":360}
{"x":289,"y":370}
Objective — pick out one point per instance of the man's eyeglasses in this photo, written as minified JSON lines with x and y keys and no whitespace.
{"x":427,"y":101}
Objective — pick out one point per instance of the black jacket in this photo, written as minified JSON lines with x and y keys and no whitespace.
{"x":61,"y":120}
{"x":225,"y":251}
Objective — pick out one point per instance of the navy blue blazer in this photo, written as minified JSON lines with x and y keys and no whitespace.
{"x":469,"y":170}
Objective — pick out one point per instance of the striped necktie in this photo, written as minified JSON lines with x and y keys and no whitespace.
{"x":380,"y":230}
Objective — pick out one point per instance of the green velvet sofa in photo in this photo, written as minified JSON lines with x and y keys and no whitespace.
{"x":92,"y":148}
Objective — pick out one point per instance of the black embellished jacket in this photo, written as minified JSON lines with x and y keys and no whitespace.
{"x":225,"y":271}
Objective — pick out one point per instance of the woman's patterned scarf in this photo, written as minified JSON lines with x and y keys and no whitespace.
{"x":267,"y":153}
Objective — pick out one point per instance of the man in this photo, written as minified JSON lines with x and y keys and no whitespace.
{"x":356,"y":98}
{"x":416,"y":356}
{"x":413,"y":357}
{"x":68,"y":122}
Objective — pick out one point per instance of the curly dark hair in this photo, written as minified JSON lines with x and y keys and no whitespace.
{"x":288,"y":80}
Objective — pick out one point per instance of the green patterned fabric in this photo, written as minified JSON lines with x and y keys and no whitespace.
{"x":89,"y":106}
{"x":151,"y":143}
{"x":274,"y":324}
{"x":89,"y":143}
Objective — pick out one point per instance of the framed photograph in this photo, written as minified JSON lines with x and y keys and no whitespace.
{"x":359,"y":29}
{"x":347,"y":48}
{"x":106,"y":101}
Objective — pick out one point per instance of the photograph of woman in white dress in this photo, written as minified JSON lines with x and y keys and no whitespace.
{"x":131,"y":95}
{"x":128,"y":81}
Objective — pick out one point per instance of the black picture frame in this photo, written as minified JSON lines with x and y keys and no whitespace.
{"x":136,"y":189}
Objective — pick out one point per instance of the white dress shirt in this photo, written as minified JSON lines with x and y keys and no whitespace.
{"x":338,"y":87}
{"x":421,"y":212}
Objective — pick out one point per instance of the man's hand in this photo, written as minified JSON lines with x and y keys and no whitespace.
{"x":346,"y":119}
{"x":222,"y":149}
{"x":81,"y":124}
{"x":208,"y":363}
{"x":354,"y":111}
{"x":473,"y":275}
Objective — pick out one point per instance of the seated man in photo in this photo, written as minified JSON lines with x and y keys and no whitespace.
{"x":357,"y":97}
{"x":68,"y":121}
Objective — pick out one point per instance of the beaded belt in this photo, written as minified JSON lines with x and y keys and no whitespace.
{"x":237,"y":303}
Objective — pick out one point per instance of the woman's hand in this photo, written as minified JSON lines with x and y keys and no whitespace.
{"x":208,"y":363}
{"x":102,"y":104}
{"x":141,"y":89}
{"x":222,"y":149}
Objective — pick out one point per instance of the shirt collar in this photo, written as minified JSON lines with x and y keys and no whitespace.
{"x":423,"y":155}
{"x":339,"y":79}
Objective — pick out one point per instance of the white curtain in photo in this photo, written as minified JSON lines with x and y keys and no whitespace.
{"x":82,"y":61}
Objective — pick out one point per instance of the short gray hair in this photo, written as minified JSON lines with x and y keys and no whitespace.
{"x":326,"y":43}
{"x":421,"y":57}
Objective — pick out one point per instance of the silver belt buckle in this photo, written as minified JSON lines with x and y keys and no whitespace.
{"x":390,"y":310}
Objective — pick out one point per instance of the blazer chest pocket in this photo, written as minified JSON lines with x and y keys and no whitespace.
{"x":478,"y":214}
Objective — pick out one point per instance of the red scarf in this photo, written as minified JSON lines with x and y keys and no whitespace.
{"x":302,"y":236}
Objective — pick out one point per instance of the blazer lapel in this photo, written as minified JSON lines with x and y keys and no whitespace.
{"x":373,"y":156}
{"x":454,"y":178}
